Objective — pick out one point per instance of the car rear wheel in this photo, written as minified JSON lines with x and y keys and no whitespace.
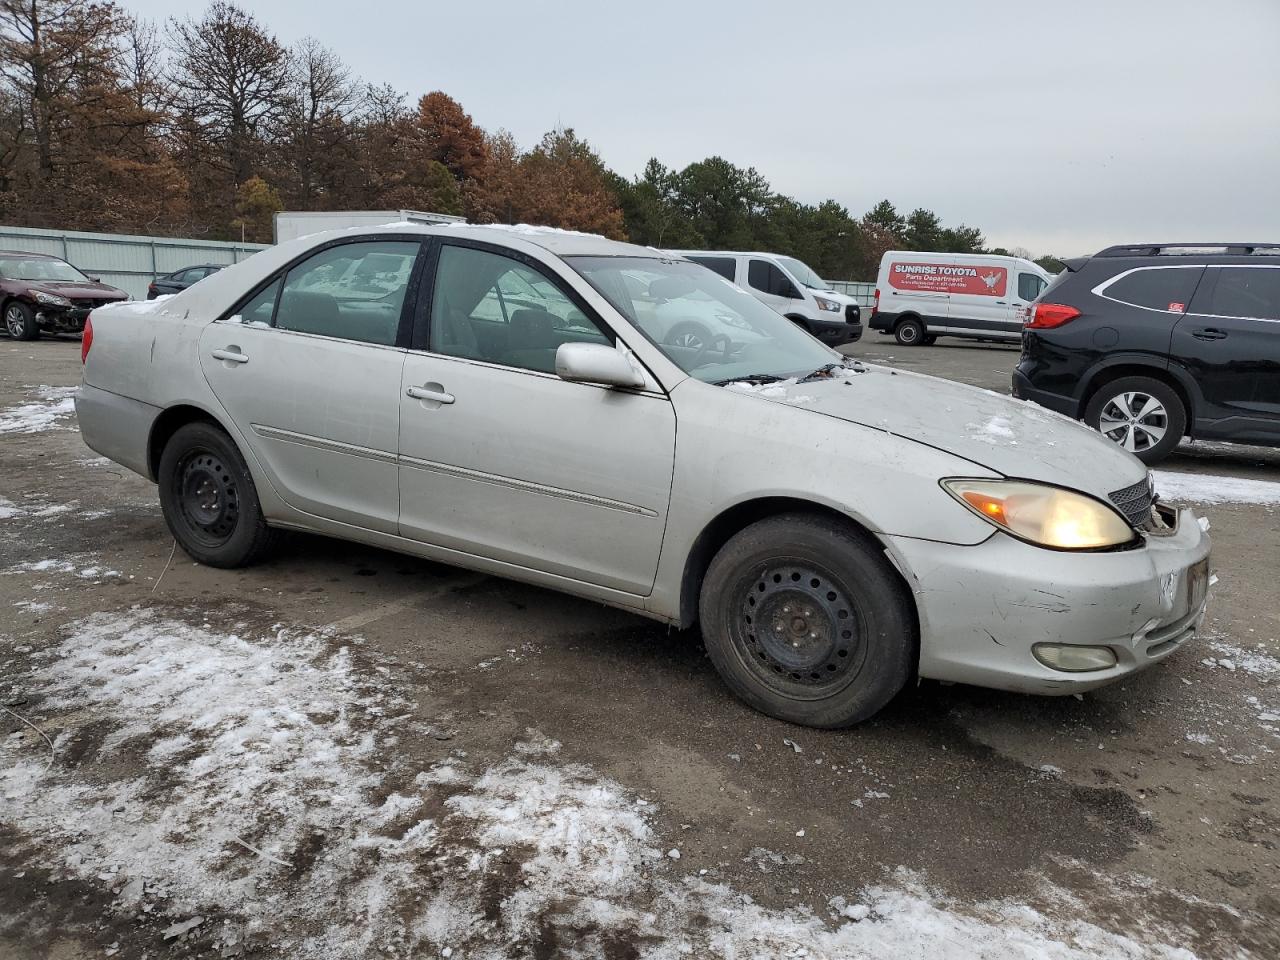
{"x":20,"y":321}
{"x":209,"y":500}
{"x":1142,"y":414}
{"x":806,"y":621}
{"x":909,"y":332}
{"x":688,"y":334}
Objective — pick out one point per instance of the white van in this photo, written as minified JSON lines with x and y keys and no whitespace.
{"x":923,"y":296}
{"x":790,"y":287}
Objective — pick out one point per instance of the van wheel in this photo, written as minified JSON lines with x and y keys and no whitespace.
{"x":20,"y":321}
{"x":208,"y":498}
{"x":909,"y":332}
{"x":807,"y":622}
{"x":1144,"y":415}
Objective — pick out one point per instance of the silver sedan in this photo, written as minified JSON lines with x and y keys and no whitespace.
{"x":503,"y":399}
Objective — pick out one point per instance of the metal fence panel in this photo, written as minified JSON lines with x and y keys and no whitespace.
{"x":127,"y":262}
{"x":864,"y":293}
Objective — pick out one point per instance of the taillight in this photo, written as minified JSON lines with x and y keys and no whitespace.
{"x":875,"y":304}
{"x":86,"y":339}
{"x":1046,"y":316}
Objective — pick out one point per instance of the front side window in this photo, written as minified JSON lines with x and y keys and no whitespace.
{"x":767,"y":278}
{"x":486,"y":306}
{"x":1157,"y":288}
{"x":710,"y":328}
{"x":1246,"y":292}
{"x":354,"y":291}
{"x":1029,"y":286}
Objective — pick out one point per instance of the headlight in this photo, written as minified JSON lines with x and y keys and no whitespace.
{"x":51,"y":299}
{"x":830,"y":305}
{"x":1044,"y":515}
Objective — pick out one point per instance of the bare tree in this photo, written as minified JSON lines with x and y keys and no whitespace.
{"x":324,"y":99}
{"x":233,"y":80}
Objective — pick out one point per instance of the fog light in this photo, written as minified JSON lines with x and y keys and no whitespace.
{"x":1073,"y":659}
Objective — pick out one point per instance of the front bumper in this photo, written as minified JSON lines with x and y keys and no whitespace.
{"x":66,"y":319}
{"x":983,"y":607}
{"x":835,"y":332}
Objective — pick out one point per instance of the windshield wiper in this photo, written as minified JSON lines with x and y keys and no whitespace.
{"x":757,"y":377}
{"x":829,"y":370}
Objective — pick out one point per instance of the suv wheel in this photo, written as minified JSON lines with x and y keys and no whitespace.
{"x":1143,"y":415}
{"x":20,"y":321}
{"x":909,"y":332}
{"x":807,"y":622}
{"x":208,"y":498}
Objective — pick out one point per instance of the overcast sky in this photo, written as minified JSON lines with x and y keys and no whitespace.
{"x":1060,"y":127}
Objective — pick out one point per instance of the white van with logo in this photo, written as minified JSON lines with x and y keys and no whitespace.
{"x":923,"y":296}
{"x":790,"y":287}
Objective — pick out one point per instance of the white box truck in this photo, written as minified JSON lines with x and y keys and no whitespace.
{"x":923,"y":296}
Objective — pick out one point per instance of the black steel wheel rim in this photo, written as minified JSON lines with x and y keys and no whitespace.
{"x":799,"y":631}
{"x":208,"y":497}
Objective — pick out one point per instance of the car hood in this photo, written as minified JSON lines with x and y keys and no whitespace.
{"x":1015,"y":438}
{"x":79,"y":290}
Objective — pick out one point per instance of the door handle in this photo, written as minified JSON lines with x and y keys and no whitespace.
{"x":232,"y":355}
{"x":423,"y":393}
{"x":1211,"y":333}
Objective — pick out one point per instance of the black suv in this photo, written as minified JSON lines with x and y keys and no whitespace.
{"x":1155,"y":342}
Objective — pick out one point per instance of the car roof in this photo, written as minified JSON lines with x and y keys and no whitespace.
{"x":731,"y":253}
{"x":34,"y":256}
{"x":563,"y":243}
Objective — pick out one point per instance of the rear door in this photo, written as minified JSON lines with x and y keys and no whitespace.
{"x":308,"y":368}
{"x":1229,"y":340}
{"x":501,"y":458}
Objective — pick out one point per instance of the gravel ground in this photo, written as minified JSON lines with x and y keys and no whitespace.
{"x":344,"y":752}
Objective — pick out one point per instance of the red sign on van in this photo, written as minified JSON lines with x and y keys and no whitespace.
{"x":949,"y":278}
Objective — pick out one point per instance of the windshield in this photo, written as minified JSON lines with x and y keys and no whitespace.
{"x":802,"y":273}
{"x":38,"y":268}
{"x":709,"y":328}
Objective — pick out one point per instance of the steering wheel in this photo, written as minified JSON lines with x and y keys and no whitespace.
{"x":710,"y":342}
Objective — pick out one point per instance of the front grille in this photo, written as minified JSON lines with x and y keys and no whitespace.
{"x":1135,"y":503}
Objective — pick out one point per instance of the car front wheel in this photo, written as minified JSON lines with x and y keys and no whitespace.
{"x":20,"y":321}
{"x":209,"y":500}
{"x":806,"y":621}
{"x":1142,"y":414}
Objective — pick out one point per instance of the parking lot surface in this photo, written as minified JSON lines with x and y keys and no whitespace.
{"x":344,"y":752}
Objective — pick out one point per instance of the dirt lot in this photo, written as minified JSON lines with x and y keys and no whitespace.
{"x":350,"y":753}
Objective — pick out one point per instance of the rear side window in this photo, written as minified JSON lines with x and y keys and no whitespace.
{"x":1156,"y":288}
{"x":1029,"y":286}
{"x":767,"y":278}
{"x":354,"y":291}
{"x":1250,"y":292}
{"x":725,"y":266}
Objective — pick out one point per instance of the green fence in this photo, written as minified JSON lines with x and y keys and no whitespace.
{"x":127,"y":262}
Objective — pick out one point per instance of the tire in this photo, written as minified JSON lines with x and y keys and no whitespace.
{"x":929,"y":339}
{"x":209,"y":500}
{"x":689,"y":334}
{"x":20,"y":321}
{"x":815,"y":667}
{"x":1144,"y":415}
{"x":909,"y":332}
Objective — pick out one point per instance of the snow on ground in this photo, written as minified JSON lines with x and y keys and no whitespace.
{"x":51,"y":407}
{"x":1207,"y":488}
{"x":262,"y":786}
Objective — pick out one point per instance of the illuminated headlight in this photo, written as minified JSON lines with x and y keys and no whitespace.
{"x":1043,"y":515}
{"x":50,"y":299}
{"x":829,"y":305}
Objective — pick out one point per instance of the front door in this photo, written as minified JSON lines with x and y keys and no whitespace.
{"x":1229,"y":340}
{"x":770,"y":285}
{"x":501,"y":458}
{"x":308,"y":369}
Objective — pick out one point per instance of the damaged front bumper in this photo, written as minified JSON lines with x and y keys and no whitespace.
{"x":983,"y":608}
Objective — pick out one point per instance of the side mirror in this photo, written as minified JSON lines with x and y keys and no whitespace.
{"x":96,"y":279}
{"x":596,"y":363}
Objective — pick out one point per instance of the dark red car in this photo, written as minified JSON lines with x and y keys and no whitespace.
{"x":42,"y":292}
